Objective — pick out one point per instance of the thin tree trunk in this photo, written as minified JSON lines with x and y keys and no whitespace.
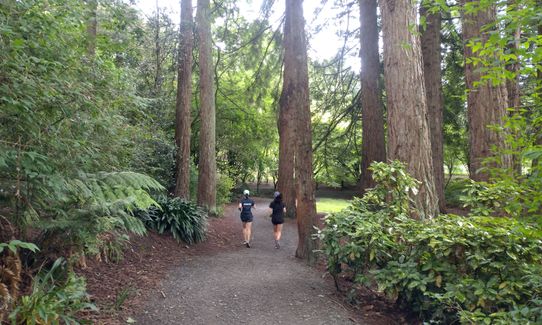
{"x":184,"y":99}
{"x":538,"y":140}
{"x":157,"y":53}
{"x":512,"y":86}
{"x":295,"y":96}
{"x":207,"y":155}
{"x":486,"y":102}
{"x":430,"y":42}
{"x":408,"y":129}
{"x":92,"y":27}
{"x":373,"y":147}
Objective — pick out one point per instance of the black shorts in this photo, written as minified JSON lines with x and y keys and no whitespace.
{"x":246,"y":218}
{"x":277,"y":221}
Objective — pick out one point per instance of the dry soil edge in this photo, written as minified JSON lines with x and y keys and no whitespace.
{"x":258,"y":285}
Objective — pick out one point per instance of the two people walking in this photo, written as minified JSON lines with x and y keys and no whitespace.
{"x":277,"y":208}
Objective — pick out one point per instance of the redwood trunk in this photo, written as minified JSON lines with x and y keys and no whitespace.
{"x":286,"y":183}
{"x":430,"y":42}
{"x":207,"y":155}
{"x":408,"y":129}
{"x":184,"y":99}
{"x":295,"y":97}
{"x":486,"y":102}
{"x":373,"y":147}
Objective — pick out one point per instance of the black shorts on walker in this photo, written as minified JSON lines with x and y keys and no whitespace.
{"x":246,"y":218}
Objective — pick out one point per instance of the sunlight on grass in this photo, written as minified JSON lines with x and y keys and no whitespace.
{"x":327,"y":205}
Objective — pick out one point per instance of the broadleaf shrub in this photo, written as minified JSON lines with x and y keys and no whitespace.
{"x":473,"y":269}
{"x":183,"y":219}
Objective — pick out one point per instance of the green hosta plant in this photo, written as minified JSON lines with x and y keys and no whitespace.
{"x":185,"y":220}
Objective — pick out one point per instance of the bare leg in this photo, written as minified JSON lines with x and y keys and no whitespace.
{"x":278,"y":232}
{"x":249,"y":230}
{"x":245,"y":227}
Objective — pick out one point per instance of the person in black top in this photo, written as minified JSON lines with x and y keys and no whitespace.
{"x":245,"y":206}
{"x":277,"y":217}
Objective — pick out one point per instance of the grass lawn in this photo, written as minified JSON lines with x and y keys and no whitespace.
{"x":328,"y":205}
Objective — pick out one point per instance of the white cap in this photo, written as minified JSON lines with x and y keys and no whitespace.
{"x":246,"y":192}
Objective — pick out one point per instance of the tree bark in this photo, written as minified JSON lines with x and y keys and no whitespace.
{"x":373,"y":147}
{"x":207,"y":154}
{"x":184,"y":99}
{"x":157,"y":54}
{"x":92,"y":27}
{"x":295,"y":97}
{"x":408,"y":129}
{"x":486,"y":102}
{"x":512,"y":86}
{"x":538,"y":139}
{"x":430,"y":42}
{"x":286,"y":182}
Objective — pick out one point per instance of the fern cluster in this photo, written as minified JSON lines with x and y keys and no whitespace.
{"x":183,"y":219}
{"x":92,"y":204}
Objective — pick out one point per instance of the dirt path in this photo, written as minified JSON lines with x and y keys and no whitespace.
{"x":238,"y":285}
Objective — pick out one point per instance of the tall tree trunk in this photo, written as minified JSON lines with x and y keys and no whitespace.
{"x":207,"y":154}
{"x":373,"y":147}
{"x":512,"y":85}
{"x":295,"y":96}
{"x":538,"y":140}
{"x":408,"y":129}
{"x":430,"y":42}
{"x":184,"y":99}
{"x":286,"y":127}
{"x":486,"y":102}
{"x":286,"y":181}
{"x":92,"y":27}
{"x":157,"y":54}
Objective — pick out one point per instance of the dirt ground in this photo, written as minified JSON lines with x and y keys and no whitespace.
{"x":220,"y":281}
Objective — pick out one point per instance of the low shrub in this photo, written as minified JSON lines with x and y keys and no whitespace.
{"x":474,"y":269}
{"x":224,"y":189}
{"x":454,"y":190}
{"x":57,"y":295}
{"x":183,"y":219}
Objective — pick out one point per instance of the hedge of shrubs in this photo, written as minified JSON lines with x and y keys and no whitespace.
{"x":450,"y":268}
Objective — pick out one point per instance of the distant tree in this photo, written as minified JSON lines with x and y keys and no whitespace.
{"x":207,"y":155}
{"x":408,"y":129}
{"x":295,"y":98}
{"x":184,"y":99}
{"x":373,"y":140}
{"x":486,"y":99}
{"x":92,"y":27}
{"x":430,"y":43}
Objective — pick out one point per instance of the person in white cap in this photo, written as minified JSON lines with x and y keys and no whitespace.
{"x":245,"y":206}
{"x":277,"y":216}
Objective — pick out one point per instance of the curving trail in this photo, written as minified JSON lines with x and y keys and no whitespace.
{"x":238,"y":285}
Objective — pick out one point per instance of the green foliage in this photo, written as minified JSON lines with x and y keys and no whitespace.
{"x":225,"y":185}
{"x":78,"y":210}
{"x":184,"y":220}
{"x":57,"y":295}
{"x":455,"y":190}
{"x":475,"y":270}
{"x":14,"y":244}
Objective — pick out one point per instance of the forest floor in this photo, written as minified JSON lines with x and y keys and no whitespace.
{"x":220,"y":281}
